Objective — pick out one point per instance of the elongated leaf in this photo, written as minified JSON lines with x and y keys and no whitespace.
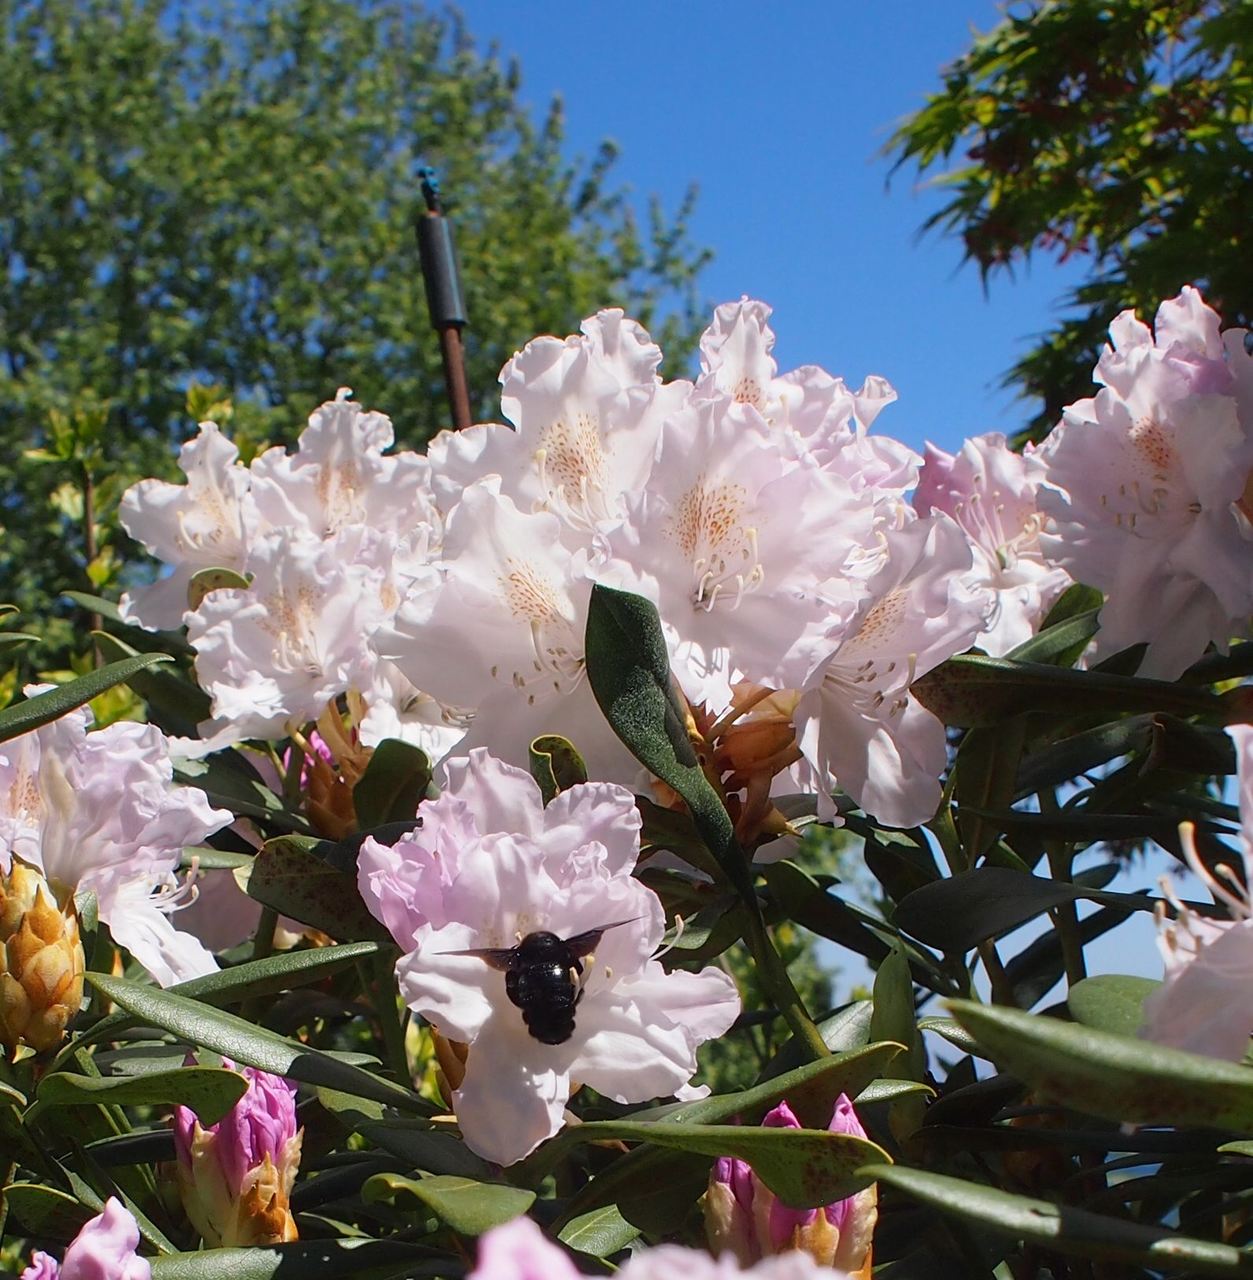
{"x":555,"y":764}
{"x":245,"y":1043}
{"x":629,"y":671}
{"x":287,"y":874}
{"x":987,"y":768}
{"x":45,"y":1211}
{"x":803,"y":1167}
{"x":1063,"y":1228}
{"x":423,"y":1147}
{"x":304,"y":1260}
{"x":1065,"y":633}
{"x":468,"y":1207}
{"x":598,"y":1233}
{"x":209,"y":1091}
{"x":1117,"y":1077}
{"x":1111,"y":1002}
{"x":974,"y":692}
{"x":51,"y":705}
{"x":174,"y":703}
{"x":394,"y":783}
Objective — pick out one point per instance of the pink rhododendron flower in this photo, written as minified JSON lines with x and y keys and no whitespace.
{"x":519,"y":1250}
{"x":100,"y":811}
{"x":991,"y":492}
{"x":857,"y":723}
{"x":491,"y":865}
{"x":1146,"y":486}
{"x":1205,"y":1003}
{"x":203,"y":524}
{"x":235,"y":1177}
{"x":743,"y":1216}
{"x":103,"y":1250}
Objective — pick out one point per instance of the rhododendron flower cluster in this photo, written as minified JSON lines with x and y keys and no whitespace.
{"x":100,"y":811}
{"x":1147,"y":485}
{"x":491,"y":865}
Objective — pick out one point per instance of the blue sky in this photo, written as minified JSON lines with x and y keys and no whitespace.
{"x":779,"y":112}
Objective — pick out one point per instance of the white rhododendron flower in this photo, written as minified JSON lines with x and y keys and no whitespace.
{"x":338,"y":477}
{"x":991,"y":492}
{"x":491,"y":865}
{"x":1146,"y":486}
{"x":1205,"y":1004}
{"x":499,"y":631}
{"x":203,"y":524}
{"x":587,"y":410}
{"x":857,"y":722}
{"x":100,"y":811}
{"x":742,"y":550}
{"x":275,"y":652}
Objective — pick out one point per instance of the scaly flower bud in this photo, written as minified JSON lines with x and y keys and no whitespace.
{"x":103,"y":1250}
{"x":235,"y":1177}
{"x":41,"y":961}
{"x":743,"y":1216}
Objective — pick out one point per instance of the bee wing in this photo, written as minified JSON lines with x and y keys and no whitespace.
{"x":583,"y":944}
{"x":498,"y":957}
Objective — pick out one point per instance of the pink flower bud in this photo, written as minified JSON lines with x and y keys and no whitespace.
{"x":743,"y":1216}
{"x":103,"y":1250}
{"x":236,"y":1176}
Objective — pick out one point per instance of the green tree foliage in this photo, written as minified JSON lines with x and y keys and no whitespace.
{"x":1114,"y":130}
{"x":226,"y":198}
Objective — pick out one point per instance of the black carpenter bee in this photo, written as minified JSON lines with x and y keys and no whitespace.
{"x":544,"y":978}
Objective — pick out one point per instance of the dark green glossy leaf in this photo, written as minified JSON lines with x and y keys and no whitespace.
{"x":987,"y":769}
{"x":1118,"y":1077}
{"x":173,"y":702}
{"x":973,"y":691}
{"x":555,"y":764}
{"x":1065,"y":1229}
{"x":287,"y":874}
{"x":468,"y":1207}
{"x":51,"y":705}
{"x":248,"y":1044}
{"x":209,"y":1091}
{"x":394,"y":783}
{"x":207,"y":580}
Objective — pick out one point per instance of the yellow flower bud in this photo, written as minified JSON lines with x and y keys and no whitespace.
{"x":41,"y":961}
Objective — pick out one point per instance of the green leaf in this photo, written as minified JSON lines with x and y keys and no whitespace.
{"x":555,"y":764}
{"x":987,"y":769}
{"x":629,"y":671}
{"x":973,"y":691}
{"x":287,"y":874}
{"x":46,"y":1212}
{"x":1062,"y":1227}
{"x":209,"y":1091}
{"x":599,"y":1232}
{"x":304,"y":1260}
{"x":207,"y":580}
{"x":393,"y":784}
{"x":243,"y":1042}
{"x":178,"y":704}
{"x":805,"y":1168}
{"x":1111,"y":1002}
{"x":468,"y":1207}
{"x":1116,"y":1077}
{"x":957,"y":914}
{"x":43,"y":708}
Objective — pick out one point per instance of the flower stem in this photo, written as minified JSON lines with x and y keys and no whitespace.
{"x":777,"y":983}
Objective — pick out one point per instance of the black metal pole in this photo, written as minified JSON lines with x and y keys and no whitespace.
{"x":444,"y":298}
